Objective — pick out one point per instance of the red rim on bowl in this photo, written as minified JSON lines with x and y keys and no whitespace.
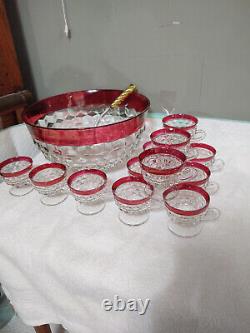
{"x":197,"y":166}
{"x":186,"y":187}
{"x":164,"y":151}
{"x":131,"y":162}
{"x":85,"y":136}
{"x":203,"y":146}
{"x":186,"y":136}
{"x":131,"y":202}
{"x":180,"y":116}
{"x":45,"y":166}
{"x":84,"y":172}
{"x":148,"y":145}
{"x":16,"y":173}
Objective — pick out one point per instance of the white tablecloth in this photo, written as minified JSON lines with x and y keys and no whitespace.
{"x":57,"y":266}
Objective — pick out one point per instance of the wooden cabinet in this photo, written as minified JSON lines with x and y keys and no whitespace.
{"x":10,"y":74}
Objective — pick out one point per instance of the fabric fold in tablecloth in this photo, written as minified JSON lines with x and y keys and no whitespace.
{"x":57,"y":265}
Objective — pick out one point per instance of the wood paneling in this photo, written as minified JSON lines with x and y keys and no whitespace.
{"x":10,"y":76}
{"x":42,"y":329}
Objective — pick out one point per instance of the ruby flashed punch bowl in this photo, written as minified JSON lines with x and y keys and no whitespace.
{"x":63,"y":127}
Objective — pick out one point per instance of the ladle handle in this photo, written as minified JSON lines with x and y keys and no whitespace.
{"x":121,"y":98}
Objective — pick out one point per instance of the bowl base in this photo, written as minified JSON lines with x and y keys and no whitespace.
{"x":133,"y":219}
{"x":53,"y":200}
{"x":186,"y":231}
{"x":20,"y":191}
{"x":90,"y":208}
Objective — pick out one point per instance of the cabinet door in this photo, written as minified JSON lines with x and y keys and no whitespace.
{"x":10,"y":76}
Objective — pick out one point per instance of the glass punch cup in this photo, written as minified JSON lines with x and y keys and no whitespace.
{"x":87,"y":187}
{"x":49,"y":180}
{"x":132,"y":196}
{"x":15,"y":172}
{"x":186,"y":204}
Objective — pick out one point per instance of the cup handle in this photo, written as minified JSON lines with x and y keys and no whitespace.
{"x":212,"y":214}
{"x":191,"y":154}
{"x":65,"y":189}
{"x":199,"y":135}
{"x":218,"y":165}
{"x":156,"y":202}
{"x":189,"y":175}
{"x":212,"y":187}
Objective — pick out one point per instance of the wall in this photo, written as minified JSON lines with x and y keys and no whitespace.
{"x":196,"y":52}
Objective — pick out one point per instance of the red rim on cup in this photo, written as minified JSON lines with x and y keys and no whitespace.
{"x":205,"y":146}
{"x":148,"y":145}
{"x":130,"y":164}
{"x":45,"y":166}
{"x":91,"y":191}
{"x":201,"y":167}
{"x":186,"y":187}
{"x":14,"y":160}
{"x":181,"y":116}
{"x":131,"y":202}
{"x":168,"y":131}
{"x":179,"y":156}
